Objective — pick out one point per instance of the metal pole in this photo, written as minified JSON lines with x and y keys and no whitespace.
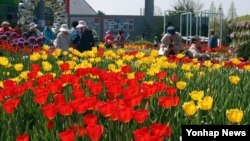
{"x":221,"y":26}
{"x":191,"y":23}
{"x":164,"y":28}
{"x":209,"y":18}
{"x":181,"y":25}
{"x":196,"y":18}
{"x":40,"y":14}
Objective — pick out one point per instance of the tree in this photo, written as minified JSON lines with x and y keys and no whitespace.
{"x":157,"y":11}
{"x":187,"y":5}
{"x":100,"y":13}
{"x":231,"y":12}
{"x":212,"y":7}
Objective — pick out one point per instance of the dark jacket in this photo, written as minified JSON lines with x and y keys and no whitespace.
{"x":84,"y":41}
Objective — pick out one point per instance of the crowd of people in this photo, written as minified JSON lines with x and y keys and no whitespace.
{"x":82,"y":38}
{"x":59,"y":36}
{"x":171,"y":44}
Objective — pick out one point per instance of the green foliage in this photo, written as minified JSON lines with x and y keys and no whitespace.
{"x":244,"y":50}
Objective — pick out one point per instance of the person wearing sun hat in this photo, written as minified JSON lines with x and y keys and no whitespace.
{"x":63,"y":38}
{"x":5,"y":26}
{"x":171,"y":38}
{"x":84,"y":40}
{"x":33,"y":31}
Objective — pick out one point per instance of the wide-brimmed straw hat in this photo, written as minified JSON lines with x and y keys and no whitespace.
{"x":33,"y":25}
{"x":64,"y":27}
{"x":81,"y":24}
{"x":5,"y":23}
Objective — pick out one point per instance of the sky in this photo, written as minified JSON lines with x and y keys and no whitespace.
{"x":132,"y":7}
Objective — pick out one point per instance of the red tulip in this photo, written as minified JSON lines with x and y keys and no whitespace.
{"x":174,"y":78}
{"x":64,"y":109}
{"x":78,"y":93}
{"x":175,"y":101}
{"x":142,"y":134}
{"x":139,"y":75}
{"x":49,"y":111}
{"x":41,"y":98}
{"x":59,"y":99}
{"x":10,"y":105}
{"x":94,"y":132}
{"x":23,"y":137}
{"x":160,"y":86}
{"x":161,"y":130}
{"x":133,"y":100}
{"x":126,"y":69}
{"x":35,"y":67}
{"x":32,"y":75}
{"x":161,"y":75}
{"x":67,"y":135}
{"x":90,"y":119}
{"x":125,"y":114}
{"x":64,"y":66}
{"x":19,"y":90}
{"x":95,"y":88}
{"x":105,"y":109}
{"x":78,"y":130}
{"x":9,"y":83}
{"x":171,"y":90}
{"x":168,"y":101}
{"x":140,"y":116}
{"x":50,"y":124}
{"x":79,"y":105}
{"x":8,"y":92}
{"x":28,"y":84}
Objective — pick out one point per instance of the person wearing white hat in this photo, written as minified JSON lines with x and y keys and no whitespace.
{"x":33,"y":31}
{"x":63,"y":38}
{"x":5,"y":26}
{"x":172,"y":39}
{"x":85,"y":39}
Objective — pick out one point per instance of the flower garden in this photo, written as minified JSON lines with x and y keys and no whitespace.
{"x":119,"y":95}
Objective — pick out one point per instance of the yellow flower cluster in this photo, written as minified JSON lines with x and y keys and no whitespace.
{"x":4,"y":61}
{"x":204,"y":103}
{"x":234,"y":79}
{"x":234,"y":115}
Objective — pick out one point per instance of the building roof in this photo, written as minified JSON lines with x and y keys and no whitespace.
{"x":80,"y":7}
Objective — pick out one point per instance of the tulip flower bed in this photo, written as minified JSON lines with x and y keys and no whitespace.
{"x":116,"y":95}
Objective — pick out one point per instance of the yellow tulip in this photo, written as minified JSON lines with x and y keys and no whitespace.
{"x":246,"y":67}
{"x":35,"y":56}
{"x":1,"y":84}
{"x":154,"y":53}
{"x":111,"y":67}
{"x":201,"y":73}
{"x":208,"y":63}
{"x":4,"y":61}
{"x":197,"y":95}
{"x":179,"y":56}
{"x":186,"y":67}
{"x":188,"y":75}
{"x":46,"y":66}
{"x":194,"y":60}
{"x":44,"y":56}
{"x":98,"y":59}
{"x":196,"y":67}
{"x":65,"y":53}
{"x":234,"y":79}
{"x":45,"y":47}
{"x":189,"y":108}
{"x":234,"y":115}
{"x":235,"y":61}
{"x":18,"y":67}
{"x":206,"y":103}
{"x":130,"y":75}
{"x":23,"y":75}
{"x":181,"y":85}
